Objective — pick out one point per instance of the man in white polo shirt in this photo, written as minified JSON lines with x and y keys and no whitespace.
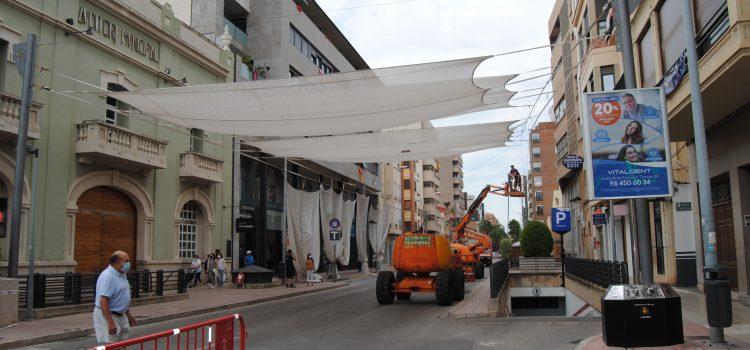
{"x":112,"y":318}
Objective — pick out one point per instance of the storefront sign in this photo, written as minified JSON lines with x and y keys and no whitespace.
{"x":244,"y":225}
{"x":572,"y":161}
{"x":119,"y":36}
{"x":599,"y":219}
{"x":683,"y":206}
{"x":627,"y":144}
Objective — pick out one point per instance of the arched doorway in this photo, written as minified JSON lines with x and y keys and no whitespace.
{"x":105,"y":222}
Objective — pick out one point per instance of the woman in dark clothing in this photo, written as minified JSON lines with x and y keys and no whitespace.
{"x":291,"y":272}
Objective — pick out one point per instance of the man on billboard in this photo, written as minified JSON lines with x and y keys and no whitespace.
{"x":636,"y":111}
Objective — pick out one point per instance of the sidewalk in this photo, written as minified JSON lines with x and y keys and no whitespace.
{"x":202,"y":300}
{"x":695,"y":326}
{"x":476,"y":301}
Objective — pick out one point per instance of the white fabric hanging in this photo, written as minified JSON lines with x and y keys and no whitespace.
{"x":343,"y":249}
{"x":361,"y":229}
{"x":303,"y":225}
{"x":331,"y":204}
{"x":392,"y":145}
{"x":327,"y":104}
{"x":379,"y":221}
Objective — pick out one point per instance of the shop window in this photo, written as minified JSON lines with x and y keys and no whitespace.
{"x":188,"y":230}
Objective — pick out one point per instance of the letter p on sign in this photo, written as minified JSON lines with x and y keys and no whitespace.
{"x":561,"y":220}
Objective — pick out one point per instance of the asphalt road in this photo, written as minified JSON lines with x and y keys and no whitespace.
{"x":351,"y":318}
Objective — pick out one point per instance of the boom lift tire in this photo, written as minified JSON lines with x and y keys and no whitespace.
{"x":384,"y":288}
{"x":479,"y":270}
{"x":443,"y":288}
{"x":458,"y":284}
{"x":403,"y":296}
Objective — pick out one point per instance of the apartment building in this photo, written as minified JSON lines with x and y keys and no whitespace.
{"x":412,"y":195}
{"x":542,"y":179}
{"x":722,"y":42}
{"x":109,"y":180}
{"x":434,"y":209}
{"x":273,"y":39}
{"x":452,"y":183}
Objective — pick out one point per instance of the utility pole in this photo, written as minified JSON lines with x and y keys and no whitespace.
{"x":639,"y":205}
{"x":283,"y":223}
{"x":25,"y":58}
{"x":32,"y":229}
{"x":712,"y":284}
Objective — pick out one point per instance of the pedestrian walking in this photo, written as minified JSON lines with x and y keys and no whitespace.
{"x":249,"y":259}
{"x":195,"y":265}
{"x":310,"y":268}
{"x":291,"y":271}
{"x":221,"y":266}
{"x":211,"y":269}
{"x":112,"y":317}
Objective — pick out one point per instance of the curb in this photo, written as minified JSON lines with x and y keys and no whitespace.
{"x":84,"y":332}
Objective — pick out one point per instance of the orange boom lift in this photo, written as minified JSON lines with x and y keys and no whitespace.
{"x":427,"y":263}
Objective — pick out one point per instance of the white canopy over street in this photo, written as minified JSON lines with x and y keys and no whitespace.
{"x":391,"y":146}
{"x":331,"y":104}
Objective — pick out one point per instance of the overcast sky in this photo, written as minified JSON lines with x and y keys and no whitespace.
{"x":397,"y":32}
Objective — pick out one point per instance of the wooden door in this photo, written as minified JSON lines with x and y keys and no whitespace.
{"x":106,"y":222}
{"x":721,"y":197}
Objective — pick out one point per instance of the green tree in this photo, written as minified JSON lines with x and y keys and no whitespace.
{"x":514,"y":229}
{"x":485,"y":227}
{"x":497,"y":234}
{"x":505,"y":247}
{"x":536,"y":240}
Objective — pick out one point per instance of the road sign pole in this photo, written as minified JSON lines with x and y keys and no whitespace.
{"x":25,"y":59}
{"x":283,"y":224}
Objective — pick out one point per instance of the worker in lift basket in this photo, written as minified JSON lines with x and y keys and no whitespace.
{"x":514,"y":179}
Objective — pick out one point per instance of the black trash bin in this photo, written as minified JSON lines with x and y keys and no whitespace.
{"x":641,"y":315}
{"x":718,"y":302}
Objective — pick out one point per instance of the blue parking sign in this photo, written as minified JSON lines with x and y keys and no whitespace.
{"x":560,"y":220}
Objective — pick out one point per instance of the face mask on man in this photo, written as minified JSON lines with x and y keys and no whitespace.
{"x":126,"y":267}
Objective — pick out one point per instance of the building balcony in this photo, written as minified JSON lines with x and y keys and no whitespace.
{"x":430,"y":175}
{"x":99,"y":142}
{"x":10,"y":107}
{"x":724,"y":65}
{"x":196,"y":167}
{"x":237,"y":34}
{"x":407,"y":195}
{"x":429,"y":192}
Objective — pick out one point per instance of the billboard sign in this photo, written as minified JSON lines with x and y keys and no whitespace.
{"x":627,"y":144}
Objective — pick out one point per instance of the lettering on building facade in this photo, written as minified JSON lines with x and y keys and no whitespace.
{"x":118,"y":35}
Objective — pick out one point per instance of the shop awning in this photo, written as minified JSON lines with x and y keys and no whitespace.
{"x":330,"y":104}
{"x":392,"y":146}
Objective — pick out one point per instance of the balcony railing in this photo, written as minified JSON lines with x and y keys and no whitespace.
{"x":201,"y":168}
{"x":237,"y":34}
{"x":10,"y":107}
{"x":119,"y":146}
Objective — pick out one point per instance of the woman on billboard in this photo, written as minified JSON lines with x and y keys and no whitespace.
{"x":633,"y":134}
{"x":628,"y":154}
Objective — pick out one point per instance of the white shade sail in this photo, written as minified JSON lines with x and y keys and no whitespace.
{"x":391,"y":146}
{"x":329,"y":104}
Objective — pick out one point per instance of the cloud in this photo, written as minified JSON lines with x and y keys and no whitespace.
{"x":417,"y":31}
